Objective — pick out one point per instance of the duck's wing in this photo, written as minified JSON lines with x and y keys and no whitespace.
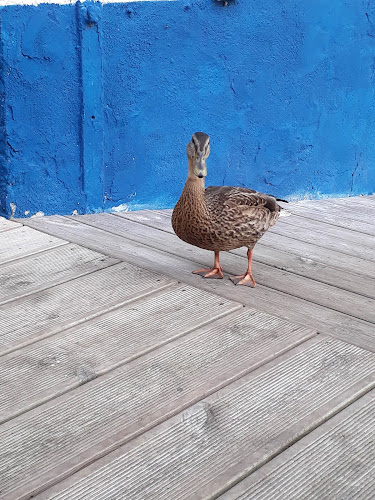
{"x":241,"y":201}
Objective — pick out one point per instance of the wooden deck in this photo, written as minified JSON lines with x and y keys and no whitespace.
{"x":125,"y":376}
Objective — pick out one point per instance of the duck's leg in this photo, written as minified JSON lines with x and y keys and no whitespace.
{"x":215,"y":272}
{"x":247,"y":278}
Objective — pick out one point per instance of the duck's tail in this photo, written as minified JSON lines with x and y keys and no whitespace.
{"x":283,"y":211}
{"x":279,"y":199}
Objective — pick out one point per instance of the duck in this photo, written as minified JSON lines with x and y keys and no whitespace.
{"x":220,"y":218}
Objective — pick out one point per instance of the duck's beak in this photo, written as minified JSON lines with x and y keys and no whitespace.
{"x":200,"y":168}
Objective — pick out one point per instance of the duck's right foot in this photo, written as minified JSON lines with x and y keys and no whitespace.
{"x":215,"y":273}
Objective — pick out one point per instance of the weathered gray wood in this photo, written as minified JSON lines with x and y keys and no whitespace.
{"x":334,"y":215}
{"x":298,"y":264}
{"x":50,"y":367}
{"x":364,"y":207}
{"x":339,"y":278}
{"x":204,"y":450}
{"x":29,"y":319}
{"x":299,"y":286}
{"x":321,"y":239}
{"x":43,"y":270}
{"x":151,"y":218}
{"x":286,"y":306}
{"x":356,"y":200}
{"x":166,"y":211}
{"x":335,"y":461}
{"x":316,"y":253}
{"x":353,"y":212}
{"x":89,"y":421}
{"x":6,"y":225}
{"x":348,"y":236}
{"x":24,"y":241}
{"x":281,"y":243}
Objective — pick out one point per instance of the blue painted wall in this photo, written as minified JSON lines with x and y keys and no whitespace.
{"x":100,"y":101}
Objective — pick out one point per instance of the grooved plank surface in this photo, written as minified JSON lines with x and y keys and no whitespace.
{"x":25,"y":241}
{"x":322,"y":239}
{"x":91,"y":419}
{"x":336,"y":460}
{"x":292,"y":308}
{"x":335,"y":215}
{"x":6,"y":225}
{"x":362,"y":204}
{"x":41,"y":271}
{"x":326,"y":256}
{"x":41,"y":371}
{"x":353,"y":212}
{"x":205,"y":449}
{"x":339,"y":205}
{"x":348,"y":236}
{"x":31,"y":318}
{"x":311,"y":290}
{"x":346,"y":278}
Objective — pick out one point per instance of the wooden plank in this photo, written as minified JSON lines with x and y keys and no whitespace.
{"x":354,"y":212}
{"x":286,"y":306}
{"x":298,"y":264}
{"x":339,"y":278}
{"x":357,"y":200}
{"x":334,"y":215}
{"x":207,"y":448}
{"x":320,"y":293}
{"x":24,"y":241}
{"x":321,"y":239}
{"x":359,"y":204}
{"x":337,"y":460}
{"x":41,"y":271}
{"x":6,"y":225}
{"x":281,"y":243}
{"x":326,"y":256}
{"x":93,"y":419}
{"x":32,"y":318}
{"x":52,"y":366}
{"x":151,"y":218}
{"x":324,"y":228}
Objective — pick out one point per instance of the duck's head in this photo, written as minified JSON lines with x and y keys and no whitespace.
{"x":198,"y":150}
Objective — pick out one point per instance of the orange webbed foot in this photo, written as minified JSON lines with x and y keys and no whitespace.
{"x":245,"y":279}
{"x":215,"y":273}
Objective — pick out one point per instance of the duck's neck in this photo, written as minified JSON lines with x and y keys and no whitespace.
{"x":194,"y":185}
{"x":193,"y":192}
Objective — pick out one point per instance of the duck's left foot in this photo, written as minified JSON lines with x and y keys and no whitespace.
{"x":215,"y":273}
{"x":245,"y":279}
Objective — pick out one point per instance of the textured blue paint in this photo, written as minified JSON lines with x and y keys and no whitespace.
{"x":3,"y":141}
{"x":42,"y":109}
{"x":285,"y":88}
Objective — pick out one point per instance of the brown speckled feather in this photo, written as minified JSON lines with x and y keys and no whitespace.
{"x":223,"y":218}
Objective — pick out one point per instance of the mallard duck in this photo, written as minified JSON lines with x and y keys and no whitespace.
{"x":220,"y":218}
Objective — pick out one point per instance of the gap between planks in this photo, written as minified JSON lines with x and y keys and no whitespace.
{"x":46,"y":328}
{"x":10,"y":267}
{"x":297,"y":468}
{"x":21,"y":238}
{"x":319,"y":214}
